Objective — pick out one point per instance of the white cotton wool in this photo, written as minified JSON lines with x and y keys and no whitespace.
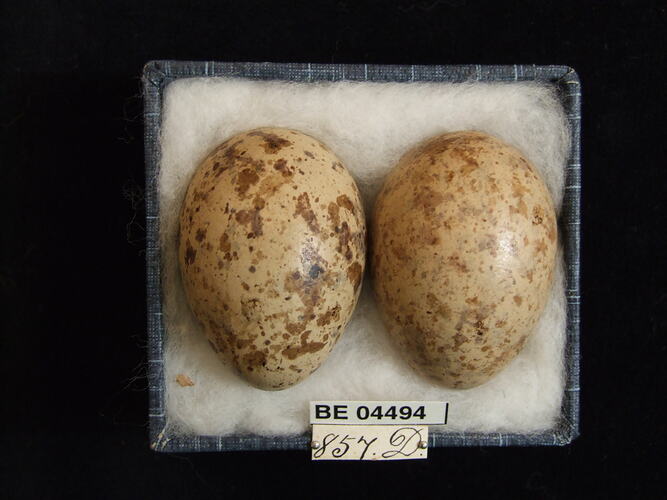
{"x":369,"y":126}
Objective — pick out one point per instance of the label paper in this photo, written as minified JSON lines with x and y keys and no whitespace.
{"x":369,"y":442}
{"x":379,"y":412}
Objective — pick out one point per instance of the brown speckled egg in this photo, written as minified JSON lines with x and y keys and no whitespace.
{"x":272,"y":253}
{"x":464,"y":243}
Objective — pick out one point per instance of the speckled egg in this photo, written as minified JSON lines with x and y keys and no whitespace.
{"x":272,"y":253}
{"x":464,"y":243}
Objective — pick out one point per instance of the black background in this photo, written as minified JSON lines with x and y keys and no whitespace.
{"x":72,"y":371}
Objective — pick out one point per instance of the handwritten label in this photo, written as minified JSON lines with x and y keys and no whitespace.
{"x":369,"y":442}
{"x":379,"y":412}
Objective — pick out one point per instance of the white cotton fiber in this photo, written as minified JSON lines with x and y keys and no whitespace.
{"x":369,"y":126}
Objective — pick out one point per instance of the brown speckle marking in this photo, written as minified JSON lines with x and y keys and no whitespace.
{"x":295,"y":328}
{"x":228,"y":149}
{"x":459,"y":340}
{"x":344,"y":237}
{"x":309,"y":154}
{"x":521,"y":209}
{"x":518,"y":300}
{"x":442,"y":310}
{"x":455,"y":261}
{"x":307,"y":290}
{"x":354,"y":275}
{"x":272,"y":142}
{"x":400,"y":253}
{"x":304,"y":210}
{"x":333,"y":313}
{"x":218,"y":167}
{"x":294,"y":352}
{"x":488,"y":242}
{"x":201,"y":234}
{"x":281,"y":166}
{"x":253,"y":218}
{"x":345,"y":202}
{"x":199,"y":196}
{"x":481,"y":327}
{"x":427,"y":199}
{"x":333,"y":214}
{"x":469,"y":162}
{"x":541,"y":247}
{"x":246,"y":178}
{"x":518,"y":189}
{"x":190,"y":253}
{"x":254,"y":359}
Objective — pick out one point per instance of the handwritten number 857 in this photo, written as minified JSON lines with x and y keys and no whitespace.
{"x":338,"y":451}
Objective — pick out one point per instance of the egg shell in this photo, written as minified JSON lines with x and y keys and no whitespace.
{"x":272,"y":253}
{"x":464,"y":238}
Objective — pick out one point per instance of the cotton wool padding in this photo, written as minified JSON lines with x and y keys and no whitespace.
{"x":369,"y":126}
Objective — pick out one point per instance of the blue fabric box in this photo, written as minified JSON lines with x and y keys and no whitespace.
{"x":158,"y":74}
